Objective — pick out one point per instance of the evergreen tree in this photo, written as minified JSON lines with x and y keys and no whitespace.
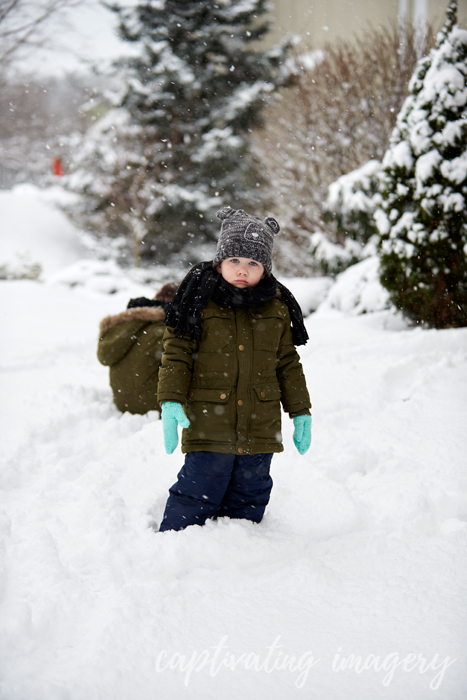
{"x":423,"y":216}
{"x":193,"y":93}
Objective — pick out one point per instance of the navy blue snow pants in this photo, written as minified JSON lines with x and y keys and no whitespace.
{"x":213,"y":484}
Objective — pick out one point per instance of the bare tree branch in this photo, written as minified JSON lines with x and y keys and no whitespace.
{"x":22,"y":23}
{"x":333,"y":119}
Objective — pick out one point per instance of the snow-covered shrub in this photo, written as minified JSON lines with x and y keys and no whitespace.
{"x":337,"y":115}
{"x":423,"y":216}
{"x":176,"y":147}
{"x":352,"y":200}
{"x":357,"y":290}
{"x":350,"y":206}
{"x":21,"y":269}
{"x":333,"y":258}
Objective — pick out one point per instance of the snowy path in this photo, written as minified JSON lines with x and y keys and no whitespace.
{"x":362,"y":550}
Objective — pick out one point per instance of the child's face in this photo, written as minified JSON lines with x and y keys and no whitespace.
{"x":241,"y":272}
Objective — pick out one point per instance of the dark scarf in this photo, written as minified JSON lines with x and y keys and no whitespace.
{"x":203,"y":283}
{"x":142,"y":301}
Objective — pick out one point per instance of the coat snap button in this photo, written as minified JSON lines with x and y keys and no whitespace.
{"x":240,"y":402}
{"x":280,"y":313}
{"x":241,"y":347}
{"x":240,"y":449}
{"x":190,"y":394}
{"x":263,"y":394}
{"x":223,"y":396}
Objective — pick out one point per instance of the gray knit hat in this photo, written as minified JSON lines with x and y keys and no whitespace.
{"x":246,"y":236}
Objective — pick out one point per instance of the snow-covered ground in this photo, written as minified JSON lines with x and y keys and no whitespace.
{"x":34,"y":231}
{"x":352,"y":587}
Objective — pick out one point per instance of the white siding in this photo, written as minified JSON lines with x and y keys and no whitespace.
{"x":319,"y":21}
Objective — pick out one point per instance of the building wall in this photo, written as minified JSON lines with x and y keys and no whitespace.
{"x":320,"y":21}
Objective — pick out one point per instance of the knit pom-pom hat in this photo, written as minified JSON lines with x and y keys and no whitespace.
{"x":246,"y":236}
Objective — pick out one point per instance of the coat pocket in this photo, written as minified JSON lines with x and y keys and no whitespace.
{"x":209,"y":412}
{"x":266,"y":414}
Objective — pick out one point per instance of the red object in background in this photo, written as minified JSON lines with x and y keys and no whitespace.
{"x":57,"y":167}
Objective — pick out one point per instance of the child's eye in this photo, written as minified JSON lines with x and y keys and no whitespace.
{"x":234,"y":260}
{"x":253,"y":263}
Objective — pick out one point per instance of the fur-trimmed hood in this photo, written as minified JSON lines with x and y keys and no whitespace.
{"x":140,"y":313}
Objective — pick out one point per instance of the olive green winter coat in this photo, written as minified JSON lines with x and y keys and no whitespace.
{"x":233,"y":382}
{"x":130,"y":344}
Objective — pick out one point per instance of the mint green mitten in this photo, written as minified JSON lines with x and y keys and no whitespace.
{"x":173,"y":415}
{"x":302,"y":433}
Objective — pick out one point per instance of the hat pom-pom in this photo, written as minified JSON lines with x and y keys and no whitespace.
{"x":224,"y":213}
{"x":273,"y":225}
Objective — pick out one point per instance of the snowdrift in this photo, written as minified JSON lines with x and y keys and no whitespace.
{"x":352,"y":587}
{"x":361,"y":551}
{"x":35,"y":232}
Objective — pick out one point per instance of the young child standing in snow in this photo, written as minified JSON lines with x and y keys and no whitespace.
{"x":229,"y":362}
